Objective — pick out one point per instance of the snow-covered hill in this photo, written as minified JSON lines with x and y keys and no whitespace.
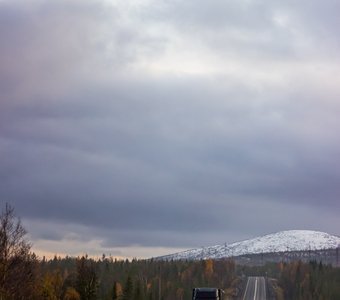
{"x":292,"y":240}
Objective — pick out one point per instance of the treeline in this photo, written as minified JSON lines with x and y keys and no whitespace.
{"x":85,"y":278}
{"x":309,"y":280}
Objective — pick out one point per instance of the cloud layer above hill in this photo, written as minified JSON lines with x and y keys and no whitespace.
{"x":139,"y":127}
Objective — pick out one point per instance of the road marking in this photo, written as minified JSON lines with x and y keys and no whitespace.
{"x":245,"y":293}
{"x":255,"y":289}
{"x":264,"y":288}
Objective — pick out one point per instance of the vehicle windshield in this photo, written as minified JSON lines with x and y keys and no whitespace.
{"x":207,"y":295}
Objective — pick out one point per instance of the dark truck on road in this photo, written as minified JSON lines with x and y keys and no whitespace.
{"x":207,"y":294}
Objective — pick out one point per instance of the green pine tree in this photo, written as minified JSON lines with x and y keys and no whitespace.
{"x":128,"y":289}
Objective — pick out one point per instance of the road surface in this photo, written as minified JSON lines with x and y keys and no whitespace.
{"x":255,"y":289}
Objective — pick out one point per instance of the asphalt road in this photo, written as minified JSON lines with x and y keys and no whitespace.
{"x":255,"y":289}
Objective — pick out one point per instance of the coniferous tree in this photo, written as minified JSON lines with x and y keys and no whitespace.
{"x":138,"y":290}
{"x":128,"y":289}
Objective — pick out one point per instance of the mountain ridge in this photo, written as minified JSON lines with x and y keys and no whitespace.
{"x":282,"y":241}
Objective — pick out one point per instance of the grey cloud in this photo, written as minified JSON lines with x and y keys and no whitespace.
{"x":256,"y":30}
{"x":320,"y":20}
{"x":158,"y":160}
{"x":216,"y":14}
{"x":238,"y":215}
{"x":247,"y":30}
{"x":53,"y":48}
{"x":187,"y":149}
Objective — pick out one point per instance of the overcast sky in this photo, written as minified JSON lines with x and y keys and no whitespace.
{"x":139,"y":128}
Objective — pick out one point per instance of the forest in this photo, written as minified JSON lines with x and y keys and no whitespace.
{"x":25,"y":276}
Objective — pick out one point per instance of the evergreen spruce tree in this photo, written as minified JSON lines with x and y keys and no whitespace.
{"x":128,"y":289}
{"x":138,"y":290}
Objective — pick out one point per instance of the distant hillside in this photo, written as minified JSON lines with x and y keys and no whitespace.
{"x":280,"y":242}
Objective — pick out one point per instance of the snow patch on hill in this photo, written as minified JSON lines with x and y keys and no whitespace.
{"x":291,"y":240}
